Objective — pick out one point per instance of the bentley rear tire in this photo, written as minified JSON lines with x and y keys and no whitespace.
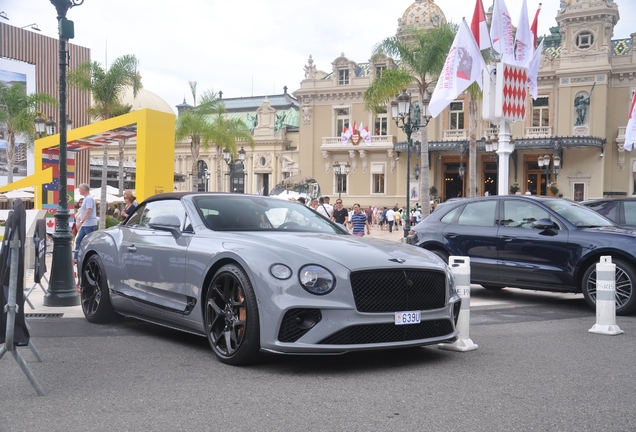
{"x":94,"y":294}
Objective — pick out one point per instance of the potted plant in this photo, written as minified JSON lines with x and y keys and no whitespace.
{"x":432,"y":191}
{"x":514,"y":188}
{"x":554,"y":190}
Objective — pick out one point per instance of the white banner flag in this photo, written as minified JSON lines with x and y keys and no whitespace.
{"x":365,"y":134}
{"x":524,"y":38}
{"x":533,"y":71}
{"x":346,"y":134}
{"x":501,"y":32}
{"x":462,"y":68}
{"x":630,"y":132}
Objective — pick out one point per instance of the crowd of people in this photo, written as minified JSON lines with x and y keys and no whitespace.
{"x":360,"y":221}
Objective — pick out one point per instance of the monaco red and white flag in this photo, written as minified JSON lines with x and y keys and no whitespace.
{"x":533,"y":71}
{"x":479,"y":26}
{"x":346,"y":134}
{"x":501,"y":32}
{"x":365,"y":134}
{"x":534,"y":28}
{"x":630,"y":132}
{"x":524,"y":39}
{"x":463,"y":67}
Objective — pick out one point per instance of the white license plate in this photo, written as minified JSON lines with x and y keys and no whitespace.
{"x":412,"y":317}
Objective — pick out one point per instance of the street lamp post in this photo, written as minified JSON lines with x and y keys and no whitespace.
{"x":61,"y":291}
{"x":462,"y":169}
{"x":40,"y":124}
{"x":402,"y":113}
{"x":338,"y":170}
{"x":233,"y":164}
{"x":544,"y":164}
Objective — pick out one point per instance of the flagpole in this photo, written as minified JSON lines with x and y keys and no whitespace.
{"x":504,"y":151}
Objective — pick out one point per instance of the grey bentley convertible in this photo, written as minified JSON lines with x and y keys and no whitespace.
{"x":256,"y":274}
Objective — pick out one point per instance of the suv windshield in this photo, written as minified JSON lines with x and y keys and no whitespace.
{"x":578,"y":215}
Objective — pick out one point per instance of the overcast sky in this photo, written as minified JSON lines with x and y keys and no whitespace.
{"x":248,"y":47}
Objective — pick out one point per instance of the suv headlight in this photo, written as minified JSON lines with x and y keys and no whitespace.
{"x":316,"y":279}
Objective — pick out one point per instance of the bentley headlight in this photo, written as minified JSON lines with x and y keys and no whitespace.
{"x":280,"y":271}
{"x":451,"y":281}
{"x":316,"y":279}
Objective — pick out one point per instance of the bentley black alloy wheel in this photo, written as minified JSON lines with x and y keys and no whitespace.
{"x":231,"y":317}
{"x":94,"y":293}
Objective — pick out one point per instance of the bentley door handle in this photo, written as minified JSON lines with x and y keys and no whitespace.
{"x":507,"y":238}
{"x":450,"y":235}
{"x":132,"y":248}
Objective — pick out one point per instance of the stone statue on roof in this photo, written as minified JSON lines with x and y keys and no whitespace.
{"x":252,"y":122}
{"x":310,"y":69}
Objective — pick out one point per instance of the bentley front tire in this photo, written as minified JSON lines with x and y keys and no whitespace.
{"x":231,"y":317}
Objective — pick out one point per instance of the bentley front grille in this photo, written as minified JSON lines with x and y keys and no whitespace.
{"x":398,"y":290}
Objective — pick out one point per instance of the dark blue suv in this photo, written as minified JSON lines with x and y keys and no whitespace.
{"x":533,"y":242}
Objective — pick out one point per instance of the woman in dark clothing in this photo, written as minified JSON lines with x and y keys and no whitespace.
{"x":131,"y":205}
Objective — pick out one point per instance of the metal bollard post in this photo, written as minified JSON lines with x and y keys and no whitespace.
{"x":606,"y":298}
{"x":460,"y":267}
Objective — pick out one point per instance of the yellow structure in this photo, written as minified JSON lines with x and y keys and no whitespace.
{"x":154,"y":131}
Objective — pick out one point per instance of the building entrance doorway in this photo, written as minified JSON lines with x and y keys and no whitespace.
{"x":491,"y":179}
{"x":262,"y":184}
{"x":453,"y":182}
{"x":237,"y":181}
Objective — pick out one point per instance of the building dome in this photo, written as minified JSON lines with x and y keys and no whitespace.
{"x":424,"y":14}
{"x":145,"y":99}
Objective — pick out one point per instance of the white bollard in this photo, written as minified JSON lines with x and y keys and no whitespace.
{"x":460,"y":268}
{"x":606,"y":298}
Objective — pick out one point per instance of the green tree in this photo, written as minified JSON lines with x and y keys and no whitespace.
{"x":206,"y":124}
{"x":107,"y":87}
{"x":422,"y":55}
{"x":18,"y":111}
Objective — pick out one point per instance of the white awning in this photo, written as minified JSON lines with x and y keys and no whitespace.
{"x":377,"y":168}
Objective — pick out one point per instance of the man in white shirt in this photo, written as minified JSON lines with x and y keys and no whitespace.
{"x":86,"y":220}
{"x":390,"y":217}
{"x":328,"y":206}
{"x":323,"y":209}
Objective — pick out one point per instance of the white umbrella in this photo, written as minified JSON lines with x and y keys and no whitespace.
{"x":18,"y":194}
{"x":97,"y":194}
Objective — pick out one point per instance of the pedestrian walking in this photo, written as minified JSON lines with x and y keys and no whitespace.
{"x":359,"y":221}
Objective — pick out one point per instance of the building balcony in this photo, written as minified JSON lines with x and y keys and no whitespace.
{"x":455,"y":135}
{"x":490,"y":132}
{"x":538,"y":132}
{"x":377,"y":141}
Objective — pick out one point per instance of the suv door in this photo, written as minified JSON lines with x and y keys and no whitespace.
{"x":473,"y":233}
{"x":532,"y":257}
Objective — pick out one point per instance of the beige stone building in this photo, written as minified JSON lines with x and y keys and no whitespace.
{"x":580,"y":55}
{"x":586,"y":83}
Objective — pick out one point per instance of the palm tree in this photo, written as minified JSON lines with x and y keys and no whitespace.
{"x":107,"y":87}
{"x":18,"y":111}
{"x":474,"y":96}
{"x":207,"y":124}
{"x":422,"y":55}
